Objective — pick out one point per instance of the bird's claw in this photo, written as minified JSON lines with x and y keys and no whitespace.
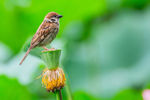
{"x":51,"y":49}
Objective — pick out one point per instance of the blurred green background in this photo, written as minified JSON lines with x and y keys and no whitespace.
{"x":105,"y":48}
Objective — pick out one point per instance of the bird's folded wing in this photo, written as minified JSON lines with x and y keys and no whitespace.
{"x":40,"y":35}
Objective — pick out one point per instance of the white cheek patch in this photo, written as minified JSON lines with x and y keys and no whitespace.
{"x":52,"y":20}
{"x":48,"y":20}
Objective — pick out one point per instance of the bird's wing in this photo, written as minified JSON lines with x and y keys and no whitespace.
{"x":41,"y":33}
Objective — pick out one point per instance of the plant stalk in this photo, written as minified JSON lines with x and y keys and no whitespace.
{"x":59,"y":95}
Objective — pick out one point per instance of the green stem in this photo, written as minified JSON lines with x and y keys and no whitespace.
{"x":59,"y":95}
{"x":69,"y":96}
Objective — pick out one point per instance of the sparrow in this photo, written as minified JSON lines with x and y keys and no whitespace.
{"x":46,"y":33}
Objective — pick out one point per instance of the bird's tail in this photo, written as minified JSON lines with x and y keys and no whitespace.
{"x":25,"y":55}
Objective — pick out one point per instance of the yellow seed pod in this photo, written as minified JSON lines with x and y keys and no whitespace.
{"x":53,"y":79}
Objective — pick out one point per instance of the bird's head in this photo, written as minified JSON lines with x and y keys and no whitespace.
{"x":53,"y":17}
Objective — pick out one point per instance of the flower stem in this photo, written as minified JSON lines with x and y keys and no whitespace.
{"x":59,"y":95}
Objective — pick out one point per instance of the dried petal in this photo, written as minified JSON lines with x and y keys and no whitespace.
{"x":53,"y":79}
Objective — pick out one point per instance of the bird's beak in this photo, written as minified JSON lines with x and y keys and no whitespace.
{"x":59,"y":16}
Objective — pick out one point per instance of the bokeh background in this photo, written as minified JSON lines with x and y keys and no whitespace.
{"x":105,"y":48}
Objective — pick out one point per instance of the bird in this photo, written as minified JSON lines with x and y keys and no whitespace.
{"x":45,"y":34}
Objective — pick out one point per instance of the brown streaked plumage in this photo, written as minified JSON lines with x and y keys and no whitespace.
{"x":46,"y":32}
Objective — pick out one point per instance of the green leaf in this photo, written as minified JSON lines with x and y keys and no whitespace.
{"x":128,"y":94}
{"x":83,"y":96}
{"x":11,"y":89}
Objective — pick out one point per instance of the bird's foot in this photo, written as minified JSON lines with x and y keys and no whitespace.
{"x":45,"y":48}
{"x":51,"y":49}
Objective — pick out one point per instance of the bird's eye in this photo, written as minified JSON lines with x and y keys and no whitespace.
{"x":54,"y":16}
